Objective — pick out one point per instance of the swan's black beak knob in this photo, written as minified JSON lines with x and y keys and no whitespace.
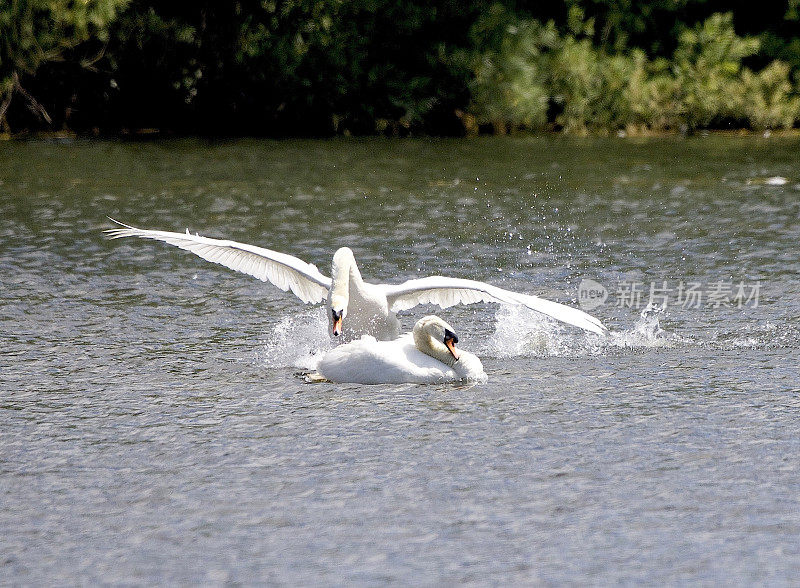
{"x":450,"y":340}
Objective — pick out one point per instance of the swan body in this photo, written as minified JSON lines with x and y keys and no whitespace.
{"x":365,"y":305}
{"x":425,"y":356}
{"x":355,"y":307}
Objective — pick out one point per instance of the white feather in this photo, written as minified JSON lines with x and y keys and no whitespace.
{"x":451,"y":291}
{"x":284,"y":271}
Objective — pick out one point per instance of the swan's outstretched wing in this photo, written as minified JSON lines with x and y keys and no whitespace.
{"x":450,"y":291}
{"x":284,"y":271}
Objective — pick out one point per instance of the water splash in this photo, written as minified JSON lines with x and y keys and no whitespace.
{"x":523,"y":332}
{"x":646,"y":332}
{"x":760,"y":335}
{"x":520,"y":331}
{"x":298,"y":341}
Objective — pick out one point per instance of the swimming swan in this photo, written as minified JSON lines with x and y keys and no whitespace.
{"x":427,"y":355}
{"x":369,"y":308}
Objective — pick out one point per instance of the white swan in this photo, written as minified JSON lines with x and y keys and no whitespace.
{"x":427,"y":355}
{"x":369,"y":308}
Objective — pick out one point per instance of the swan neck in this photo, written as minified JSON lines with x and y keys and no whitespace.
{"x":343,"y":271}
{"x":425,"y":343}
{"x":353,"y":273}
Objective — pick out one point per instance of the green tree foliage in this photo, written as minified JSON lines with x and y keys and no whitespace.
{"x":708,"y":71}
{"x":320,"y":67}
{"x":769,"y":100}
{"x":35,"y":32}
{"x":591,"y":87}
{"x":588,"y":89}
{"x":510,"y":86}
{"x":290,"y":67}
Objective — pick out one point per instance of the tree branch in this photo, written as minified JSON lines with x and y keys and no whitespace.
{"x":33,"y":104}
{"x":4,"y":108}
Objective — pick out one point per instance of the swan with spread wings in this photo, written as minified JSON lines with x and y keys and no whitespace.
{"x":355,"y":307}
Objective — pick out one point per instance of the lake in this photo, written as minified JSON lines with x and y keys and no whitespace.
{"x":155,"y":427}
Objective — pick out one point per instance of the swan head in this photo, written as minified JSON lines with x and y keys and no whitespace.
{"x":338,"y":312}
{"x":435,"y":337}
{"x":342,"y":256}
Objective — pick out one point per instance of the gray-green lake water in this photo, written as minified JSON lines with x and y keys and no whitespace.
{"x":153,"y":428}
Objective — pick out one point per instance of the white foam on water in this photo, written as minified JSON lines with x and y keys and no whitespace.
{"x":646,"y":332}
{"x":299,"y":340}
{"x":520,"y":331}
{"x":758,"y":335}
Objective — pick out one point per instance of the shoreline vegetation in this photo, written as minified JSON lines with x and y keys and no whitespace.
{"x":138,"y":69}
{"x":145,"y":135}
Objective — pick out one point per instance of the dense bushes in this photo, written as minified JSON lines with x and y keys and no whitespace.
{"x":539,"y":79}
{"x":290,"y":67}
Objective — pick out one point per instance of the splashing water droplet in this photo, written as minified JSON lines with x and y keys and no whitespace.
{"x":297,"y":341}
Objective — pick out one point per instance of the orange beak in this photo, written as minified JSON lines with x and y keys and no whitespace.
{"x":337,"y":327}
{"x":451,"y":346}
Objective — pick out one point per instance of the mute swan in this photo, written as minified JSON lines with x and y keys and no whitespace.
{"x":369,"y":308}
{"x":428,"y":355}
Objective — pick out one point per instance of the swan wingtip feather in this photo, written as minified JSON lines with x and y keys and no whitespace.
{"x":116,"y":232}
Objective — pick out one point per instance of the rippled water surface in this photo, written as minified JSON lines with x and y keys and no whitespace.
{"x":153,"y":428}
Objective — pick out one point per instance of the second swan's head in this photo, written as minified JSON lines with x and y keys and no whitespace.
{"x":436,"y":338}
